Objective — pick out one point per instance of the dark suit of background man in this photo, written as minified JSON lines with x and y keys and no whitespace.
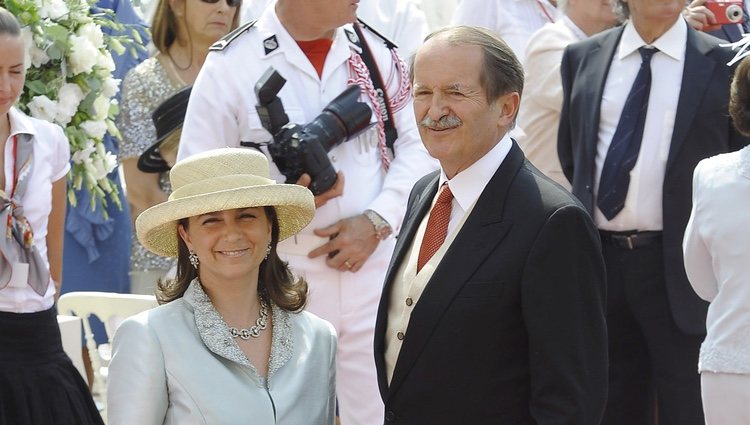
{"x":655,"y":321}
{"x":504,"y":323}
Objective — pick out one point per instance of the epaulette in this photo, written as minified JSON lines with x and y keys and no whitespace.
{"x":227,"y":39}
{"x":388,"y":43}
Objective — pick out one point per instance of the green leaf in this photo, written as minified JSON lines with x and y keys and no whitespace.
{"x":36,"y":87}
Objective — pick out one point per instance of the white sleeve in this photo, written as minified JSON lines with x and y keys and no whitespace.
{"x":698,"y":261}
{"x":211,"y":120}
{"x":411,"y":162}
{"x":542,"y":62}
{"x":61,"y":157}
{"x":481,"y":13}
{"x":411,"y":30}
{"x":136,"y":383}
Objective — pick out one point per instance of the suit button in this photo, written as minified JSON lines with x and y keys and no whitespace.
{"x":390,"y":416}
{"x":400,"y":336}
{"x":409,"y":301}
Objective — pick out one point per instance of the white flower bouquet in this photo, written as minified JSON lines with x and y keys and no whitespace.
{"x":69,"y":82}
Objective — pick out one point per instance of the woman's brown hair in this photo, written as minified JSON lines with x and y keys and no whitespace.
{"x":739,"y":98}
{"x":164,"y":25}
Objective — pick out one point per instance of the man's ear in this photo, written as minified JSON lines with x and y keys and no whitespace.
{"x":507,"y":108}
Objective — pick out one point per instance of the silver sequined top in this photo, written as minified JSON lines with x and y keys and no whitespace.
{"x":145,"y":87}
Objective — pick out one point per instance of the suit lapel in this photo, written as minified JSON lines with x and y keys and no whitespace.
{"x":418,"y":208}
{"x":596,"y":69}
{"x":482,"y":231}
{"x":696,"y":77}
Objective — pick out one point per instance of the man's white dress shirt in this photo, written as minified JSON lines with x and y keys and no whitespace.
{"x":643,"y":204}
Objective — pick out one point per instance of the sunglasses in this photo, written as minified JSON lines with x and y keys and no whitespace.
{"x":230,"y":3}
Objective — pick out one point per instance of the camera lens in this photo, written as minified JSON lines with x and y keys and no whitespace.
{"x":734,"y":13}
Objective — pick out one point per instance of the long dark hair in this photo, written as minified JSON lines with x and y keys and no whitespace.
{"x":275,"y":280}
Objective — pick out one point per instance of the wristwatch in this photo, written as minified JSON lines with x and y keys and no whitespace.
{"x":382,"y":228}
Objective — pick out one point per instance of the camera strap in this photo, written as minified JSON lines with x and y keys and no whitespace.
{"x":391,"y":134}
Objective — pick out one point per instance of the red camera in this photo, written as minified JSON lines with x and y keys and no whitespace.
{"x":726,"y":11}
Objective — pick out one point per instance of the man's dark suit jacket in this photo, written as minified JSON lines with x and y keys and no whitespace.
{"x":510,"y":328}
{"x":702,"y":129}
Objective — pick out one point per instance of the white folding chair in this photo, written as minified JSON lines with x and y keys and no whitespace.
{"x":111,"y":309}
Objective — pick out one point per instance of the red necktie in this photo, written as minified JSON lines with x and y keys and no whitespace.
{"x":437,"y":226}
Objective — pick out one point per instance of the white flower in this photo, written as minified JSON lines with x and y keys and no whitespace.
{"x":52,"y":9}
{"x":79,"y":10}
{"x":111,"y":128}
{"x":68,"y":99}
{"x":66,"y":37}
{"x":95,"y":129}
{"x":105,"y":61}
{"x":83,"y":55}
{"x":33,"y":55}
{"x":116,"y":46}
{"x":110,"y":87}
{"x":101,"y":106}
{"x":93,"y":33}
{"x":43,"y":108}
{"x":83,"y":156}
{"x":109,"y":162}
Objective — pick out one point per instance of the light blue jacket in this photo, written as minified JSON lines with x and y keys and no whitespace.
{"x":178,"y":364}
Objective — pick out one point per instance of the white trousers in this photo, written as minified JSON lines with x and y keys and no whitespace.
{"x":350,"y":302}
{"x":726,"y":398}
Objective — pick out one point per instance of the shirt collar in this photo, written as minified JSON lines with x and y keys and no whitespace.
{"x":270,"y":25}
{"x":20,"y":123}
{"x":464,"y":185}
{"x":672,"y":43}
{"x":215,"y":334}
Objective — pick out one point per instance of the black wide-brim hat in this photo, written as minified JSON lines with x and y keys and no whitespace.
{"x":167,"y":117}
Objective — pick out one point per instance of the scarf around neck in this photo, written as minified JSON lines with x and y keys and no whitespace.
{"x":17,"y":239}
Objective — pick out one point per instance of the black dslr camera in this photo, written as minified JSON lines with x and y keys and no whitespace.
{"x":298,"y":149}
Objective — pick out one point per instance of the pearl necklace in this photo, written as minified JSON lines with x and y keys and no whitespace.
{"x":253,"y":331}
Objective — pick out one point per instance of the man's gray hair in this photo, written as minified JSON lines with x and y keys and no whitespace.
{"x":621,"y":9}
{"x":501,"y":71}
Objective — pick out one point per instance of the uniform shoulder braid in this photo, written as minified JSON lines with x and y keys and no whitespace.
{"x":227,"y":39}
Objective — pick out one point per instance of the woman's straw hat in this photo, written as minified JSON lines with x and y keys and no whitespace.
{"x":218,"y":180}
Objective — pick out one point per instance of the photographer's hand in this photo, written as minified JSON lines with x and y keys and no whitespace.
{"x":699,"y":16}
{"x":353,"y":242}
{"x":336,"y":190}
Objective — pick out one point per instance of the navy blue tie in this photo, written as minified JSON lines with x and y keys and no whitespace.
{"x":626,"y":142}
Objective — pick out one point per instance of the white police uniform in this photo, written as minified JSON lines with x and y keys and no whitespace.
{"x":222,"y":113}
{"x":402,"y":21}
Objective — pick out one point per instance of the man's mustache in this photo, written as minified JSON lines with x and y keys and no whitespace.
{"x":444,"y":123}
